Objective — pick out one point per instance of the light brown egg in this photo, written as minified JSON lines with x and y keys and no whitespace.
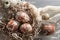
{"x":45,"y":16}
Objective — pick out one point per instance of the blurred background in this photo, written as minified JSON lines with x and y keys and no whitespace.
{"x":42,"y":3}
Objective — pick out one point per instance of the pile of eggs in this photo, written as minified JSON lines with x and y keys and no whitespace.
{"x":24,"y":23}
{"x":20,"y":23}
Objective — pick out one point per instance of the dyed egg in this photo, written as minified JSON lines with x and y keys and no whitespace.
{"x":22,"y":16}
{"x":26,"y":28}
{"x":47,"y":29}
{"x":12,"y":25}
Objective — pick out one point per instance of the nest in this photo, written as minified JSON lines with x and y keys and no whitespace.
{"x":10,"y":13}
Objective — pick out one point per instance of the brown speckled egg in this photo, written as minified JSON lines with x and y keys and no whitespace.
{"x":22,"y":16}
{"x":12,"y":25}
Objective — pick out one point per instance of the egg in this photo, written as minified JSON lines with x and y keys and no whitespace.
{"x":26,"y":28}
{"x":12,"y":25}
{"x":47,"y":29}
{"x":22,"y":16}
